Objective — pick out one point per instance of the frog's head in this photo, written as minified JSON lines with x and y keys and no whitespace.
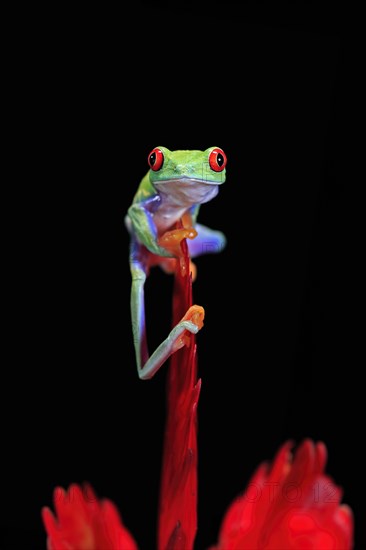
{"x":189,"y":176}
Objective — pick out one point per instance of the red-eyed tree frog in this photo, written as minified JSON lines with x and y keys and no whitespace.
{"x":173,"y":189}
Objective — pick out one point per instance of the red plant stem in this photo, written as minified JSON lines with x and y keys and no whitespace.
{"x":177,"y":521}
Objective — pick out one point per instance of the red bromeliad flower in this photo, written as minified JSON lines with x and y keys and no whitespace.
{"x":290,"y":505}
{"x":85,"y":523}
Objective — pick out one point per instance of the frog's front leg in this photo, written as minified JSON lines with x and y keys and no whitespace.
{"x":140,"y":222}
{"x":207,"y":241}
{"x":192,"y":321}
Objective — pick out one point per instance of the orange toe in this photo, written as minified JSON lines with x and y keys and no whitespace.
{"x":195,"y":314}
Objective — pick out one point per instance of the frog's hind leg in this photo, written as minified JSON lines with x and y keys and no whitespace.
{"x":192,"y":321}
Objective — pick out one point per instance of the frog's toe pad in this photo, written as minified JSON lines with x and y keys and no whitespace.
{"x":195,"y":314}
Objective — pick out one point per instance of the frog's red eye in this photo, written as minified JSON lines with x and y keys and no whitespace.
{"x":217,"y":160}
{"x":156,"y":159}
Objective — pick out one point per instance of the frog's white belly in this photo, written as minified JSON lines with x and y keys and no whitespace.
{"x":178,"y":196}
{"x":167,"y":216}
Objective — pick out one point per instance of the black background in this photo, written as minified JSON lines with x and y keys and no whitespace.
{"x":278,"y":355}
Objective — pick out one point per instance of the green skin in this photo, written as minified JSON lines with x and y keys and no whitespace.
{"x":183,"y":183}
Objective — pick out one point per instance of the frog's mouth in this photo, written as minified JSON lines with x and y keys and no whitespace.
{"x":186,"y":191}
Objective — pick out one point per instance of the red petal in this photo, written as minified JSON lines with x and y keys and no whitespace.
{"x":240,"y":520}
{"x":321,"y":457}
{"x":83,"y":522}
{"x":303,"y":464}
{"x":281,"y":464}
{"x":119,"y":537}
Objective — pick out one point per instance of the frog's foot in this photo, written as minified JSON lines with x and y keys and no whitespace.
{"x":191,"y":323}
{"x":171,"y":240}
